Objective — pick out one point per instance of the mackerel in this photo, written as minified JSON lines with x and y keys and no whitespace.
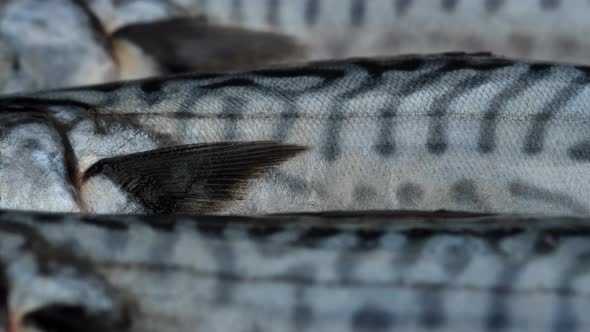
{"x":453,"y":131}
{"x":62,"y":43}
{"x":368,"y":271}
{"x":551,"y":30}
{"x":94,"y":41}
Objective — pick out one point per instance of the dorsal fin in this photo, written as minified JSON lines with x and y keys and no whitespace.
{"x":196,"y":178}
{"x":192,"y":44}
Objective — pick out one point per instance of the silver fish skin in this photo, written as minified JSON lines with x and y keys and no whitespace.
{"x":468,"y":132}
{"x":89,"y":41}
{"x":63,"y":43}
{"x":366,"y":271}
{"x":534,"y":29}
{"x":51,"y":44}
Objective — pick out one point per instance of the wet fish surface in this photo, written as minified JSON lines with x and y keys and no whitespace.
{"x":453,"y":131}
{"x":94,"y":41}
{"x":533,"y":29}
{"x":346,"y":271}
{"x":61,"y":43}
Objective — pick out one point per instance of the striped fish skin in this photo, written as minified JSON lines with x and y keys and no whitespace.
{"x":83,"y":51}
{"x":341,"y":272}
{"x":451,"y":131}
{"x":342,"y":28}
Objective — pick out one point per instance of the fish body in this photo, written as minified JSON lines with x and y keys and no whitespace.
{"x":62,"y":43}
{"x":95,"y":41}
{"x":367,"y":271}
{"x":50,"y":44}
{"x":454,"y":131}
{"x":533,"y":29}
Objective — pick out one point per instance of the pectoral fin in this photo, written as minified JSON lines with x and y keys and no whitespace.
{"x":181,"y":45}
{"x":197,"y":178}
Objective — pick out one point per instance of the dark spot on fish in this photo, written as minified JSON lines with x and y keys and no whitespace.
{"x":213,"y":231}
{"x":492,"y":6}
{"x":272,"y":15}
{"x":580,"y":151}
{"x":497,"y":321}
{"x":385,"y":149}
{"x":313,"y":236}
{"x":566,"y":46}
{"x":372,"y":318}
{"x":32,"y":144}
{"x":364,"y":193}
{"x":16,"y":64}
{"x":523,"y":44}
{"x":549,"y":4}
{"x":401,"y":6}
{"x":464,"y":191}
{"x":357,"y":13}
{"x":368,"y":239}
{"x":294,"y":183}
{"x":409,"y":194}
{"x":312,"y":10}
{"x":449,"y":5}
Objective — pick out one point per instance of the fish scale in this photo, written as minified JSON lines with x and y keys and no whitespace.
{"x":451,"y":131}
{"x":460,"y":272}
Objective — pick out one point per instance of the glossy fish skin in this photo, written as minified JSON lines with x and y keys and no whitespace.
{"x":365,"y":271}
{"x":52,"y":44}
{"x":533,"y":29}
{"x":453,"y":131}
{"x":63,"y":43}
{"x":83,"y":52}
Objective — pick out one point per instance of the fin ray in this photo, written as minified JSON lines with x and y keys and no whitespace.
{"x":195,"y":178}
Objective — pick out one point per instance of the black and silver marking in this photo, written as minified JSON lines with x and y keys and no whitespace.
{"x":487,"y":136}
{"x":535,"y":138}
